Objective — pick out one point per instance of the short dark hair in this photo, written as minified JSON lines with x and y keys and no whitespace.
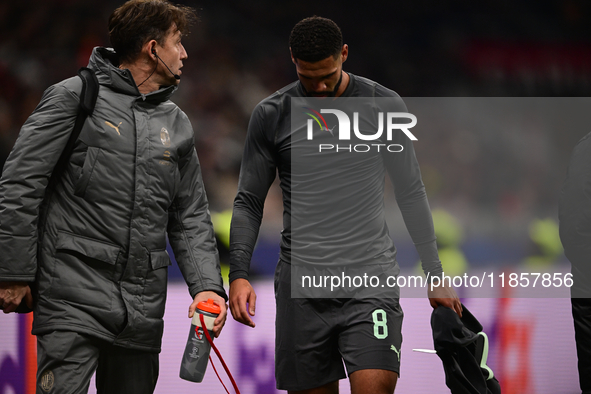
{"x":315,"y":38}
{"x":139,"y":21}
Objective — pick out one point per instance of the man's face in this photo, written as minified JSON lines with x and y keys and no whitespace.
{"x":322,"y":77}
{"x":172,"y":52}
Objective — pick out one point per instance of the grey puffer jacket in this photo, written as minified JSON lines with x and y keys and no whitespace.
{"x":98,"y":253}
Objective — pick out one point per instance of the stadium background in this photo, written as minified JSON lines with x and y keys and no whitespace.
{"x":495,"y":196}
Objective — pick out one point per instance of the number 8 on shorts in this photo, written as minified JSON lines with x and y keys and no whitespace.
{"x":380,"y":327}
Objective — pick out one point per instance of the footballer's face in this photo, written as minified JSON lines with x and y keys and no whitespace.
{"x":322,"y":78}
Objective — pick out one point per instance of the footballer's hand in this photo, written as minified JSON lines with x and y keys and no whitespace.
{"x":241,"y":294}
{"x":444,"y":296}
{"x":12,"y":293}
{"x":219,"y":322}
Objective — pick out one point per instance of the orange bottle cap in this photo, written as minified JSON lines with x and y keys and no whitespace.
{"x":209,"y":306}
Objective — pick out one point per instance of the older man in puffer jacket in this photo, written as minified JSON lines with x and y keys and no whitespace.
{"x":96,"y":252}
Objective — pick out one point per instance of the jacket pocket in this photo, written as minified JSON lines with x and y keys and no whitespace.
{"x":92,"y":155}
{"x":93,"y":249}
{"x":84,"y":272}
{"x":159,"y":259}
{"x":155,"y":289}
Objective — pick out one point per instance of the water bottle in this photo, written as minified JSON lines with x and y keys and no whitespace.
{"x":197,"y":350}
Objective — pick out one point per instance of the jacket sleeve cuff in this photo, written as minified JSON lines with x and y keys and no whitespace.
{"x":17,"y":278}
{"x":216,"y":289}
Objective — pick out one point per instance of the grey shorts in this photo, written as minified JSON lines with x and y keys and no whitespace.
{"x":314,"y":336}
{"x":67,"y":360}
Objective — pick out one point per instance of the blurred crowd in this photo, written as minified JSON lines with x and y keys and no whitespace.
{"x":238,"y":54}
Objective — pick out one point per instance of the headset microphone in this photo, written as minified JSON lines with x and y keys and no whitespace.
{"x":176,"y":76}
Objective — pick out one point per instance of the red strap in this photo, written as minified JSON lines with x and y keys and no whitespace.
{"x":219,"y":356}
{"x":217,"y":374}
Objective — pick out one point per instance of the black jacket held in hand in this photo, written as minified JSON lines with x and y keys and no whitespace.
{"x":98,"y":254}
{"x":463,"y":348}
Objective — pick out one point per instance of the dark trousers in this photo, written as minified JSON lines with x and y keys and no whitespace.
{"x":67,"y":360}
{"x":582,"y":318}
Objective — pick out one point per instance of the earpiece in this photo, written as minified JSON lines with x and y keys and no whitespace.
{"x":176,"y":76}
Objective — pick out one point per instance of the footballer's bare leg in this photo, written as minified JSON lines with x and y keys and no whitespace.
{"x":330,"y":388}
{"x":373,"y":381}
